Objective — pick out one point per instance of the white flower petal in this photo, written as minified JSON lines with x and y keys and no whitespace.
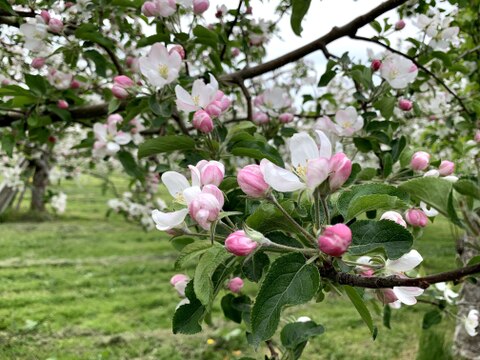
{"x":407,"y":262}
{"x":123,"y":138}
{"x":190,"y":193}
{"x":302,"y":148}
{"x":166,"y":221}
{"x":325,"y":147}
{"x":175,"y":182}
{"x":430,"y":212}
{"x":407,"y":294}
{"x":278,"y":178}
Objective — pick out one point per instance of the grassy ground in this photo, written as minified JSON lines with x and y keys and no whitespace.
{"x":86,"y":287}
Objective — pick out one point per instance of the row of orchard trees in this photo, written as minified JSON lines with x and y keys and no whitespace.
{"x":300,"y":194}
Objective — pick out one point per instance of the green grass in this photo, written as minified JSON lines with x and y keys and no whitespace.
{"x":84,"y":286}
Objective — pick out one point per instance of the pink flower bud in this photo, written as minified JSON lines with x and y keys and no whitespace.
{"x":235,"y":285}
{"x":405,"y":105}
{"x":250,"y":179}
{"x":399,"y":25}
{"x":420,"y":160}
{"x":260,"y":118}
{"x":204,"y":209}
{"x":239,"y":244}
{"x":249,"y":10}
{"x":214,"y":109}
{"x":225,"y":103}
{"x":395,"y":217}
{"x":178,"y":49}
{"x":211,"y":172}
{"x":130,"y":60}
{"x":55,"y":26}
{"x":177,"y":278}
{"x":123,"y":81}
{"x":258,"y":101}
{"x":62,"y":104}
{"x":477,"y":136}
{"x":52,"y":139}
{"x":200,"y":6}
{"x":75,"y":84}
{"x":446,"y":168}
{"x":202,"y":121}
{"x":235,"y":52}
{"x":416,"y":217}
{"x":150,"y":8}
{"x":340,"y":169}
{"x":335,"y":240}
{"x":69,"y":4}
{"x":215,"y":191}
{"x":38,"y":62}
{"x":114,"y":119}
{"x":386,"y":296}
{"x":285,"y":118}
{"x":119,"y":92}
{"x":45,"y":16}
{"x":376,"y":64}
{"x":219,"y":95}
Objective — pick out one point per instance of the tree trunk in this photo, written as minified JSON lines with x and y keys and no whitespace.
{"x":466,"y":346}
{"x":39,"y":185}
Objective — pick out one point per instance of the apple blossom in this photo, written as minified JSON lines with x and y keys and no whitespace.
{"x":200,"y":6}
{"x":62,"y":104}
{"x":44,"y":14}
{"x":398,"y":71}
{"x":178,"y":49}
{"x":420,"y":160}
{"x":340,"y":169}
{"x":59,"y":202}
{"x":446,"y":168}
{"x":285,"y":118}
{"x":150,"y":9}
{"x":38,"y":62}
{"x":202,"y":121}
{"x":471,"y":322}
{"x":202,"y":95}
{"x":211,"y":172}
{"x":168,"y":220}
{"x":386,"y":296}
{"x":399,"y":25}
{"x":250,"y":179}
{"x":347,"y":122}
{"x":376,"y":64}
{"x":235,"y":285}
{"x":238,"y":243}
{"x":416,"y":217}
{"x":274,"y":100}
{"x":448,"y":294}
{"x":221,"y":11}
{"x":159,"y":67}
{"x":222,"y":100}
{"x":430,"y":212}
{"x":365,"y":271}
{"x":59,"y":80}
{"x":235,"y":52}
{"x":55,"y":26}
{"x":109,"y":139}
{"x":395,"y":217}
{"x":75,"y":84}
{"x":35,"y":34}
{"x":405,"y":105}
{"x":443,"y":39}
{"x":180,"y":286}
{"x":204,"y":209}
{"x":178,"y":277}
{"x":335,"y":240}
{"x":260,"y":118}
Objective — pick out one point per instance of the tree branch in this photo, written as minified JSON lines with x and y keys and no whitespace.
{"x":329,"y":272}
{"x":230,"y":30}
{"x":336,"y":33}
{"x":420,"y":66}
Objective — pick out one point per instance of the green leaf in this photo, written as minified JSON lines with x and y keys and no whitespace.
{"x":101,"y":63}
{"x":387,"y":314}
{"x":89,"y":32}
{"x":190,"y":252}
{"x":433,"y":191}
{"x":365,"y":203}
{"x":299,"y":10}
{"x":179,"y":243}
{"x":4,"y":5}
{"x":385,"y":105}
{"x":233,"y":307}
{"x":294,"y":334}
{"x":187,"y":318}
{"x":244,"y":144}
{"x":267,"y":217}
{"x":326,"y":78}
{"x":166,"y":144}
{"x":431,"y":318}
{"x":290,"y":281}
{"x":36,"y":84}
{"x":376,"y":26}
{"x":368,"y":235}
{"x":348,"y":197}
{"x":130,"y":165}
{"x":150,"y":40}
{"x":473,"y":261}
{"x":468,"y":188}
{"x":205,"y":36}
{"x":254,"y":266}
{"x":362,"y":309}
{"x":8,"y":143}
{"x":210,"y":260}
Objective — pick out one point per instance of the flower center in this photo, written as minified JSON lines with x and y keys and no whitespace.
{"x":163,"y":70}
{"x":196,"y":100}
{"x":301,"y":171}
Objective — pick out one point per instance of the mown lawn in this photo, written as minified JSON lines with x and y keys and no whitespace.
{"x":84,"y":286}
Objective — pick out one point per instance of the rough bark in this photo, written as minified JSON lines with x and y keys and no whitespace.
{"x":39,"y":184}
{"x":465,"y":346}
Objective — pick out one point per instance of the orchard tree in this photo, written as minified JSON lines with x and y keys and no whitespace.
{"x":301,"y":195}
